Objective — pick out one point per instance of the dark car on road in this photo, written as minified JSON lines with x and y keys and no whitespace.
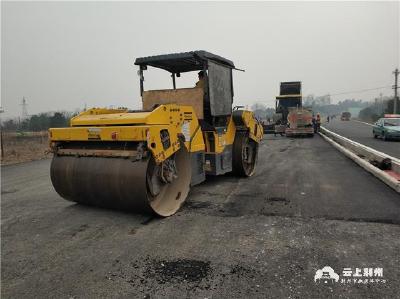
{"x":345,"y":116}
{"x":387,"y":127}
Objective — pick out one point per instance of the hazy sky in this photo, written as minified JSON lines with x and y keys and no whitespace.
{"x":61,"y":55}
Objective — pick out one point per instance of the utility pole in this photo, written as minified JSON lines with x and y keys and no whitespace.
{"x":395,"y":87}
{"x":1,"y":134}
{"x":24,"y":105}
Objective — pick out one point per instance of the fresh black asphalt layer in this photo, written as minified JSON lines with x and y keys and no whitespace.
{"x":307,"y":207}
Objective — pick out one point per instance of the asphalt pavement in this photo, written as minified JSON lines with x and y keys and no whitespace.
{"x":307,"y":207}
{"x":362,"y":133}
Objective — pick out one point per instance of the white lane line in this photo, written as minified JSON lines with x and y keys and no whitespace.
{"x":363,"y":122}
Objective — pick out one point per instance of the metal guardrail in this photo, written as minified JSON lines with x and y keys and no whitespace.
{"x":366,"y":157}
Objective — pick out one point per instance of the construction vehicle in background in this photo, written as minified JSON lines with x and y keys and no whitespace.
{"x":345,"y":116}
{"x":299,"y":122}
{"x":291,"y":118}
{"x":271,"y":125}
{"x":146,"y":161}
{"x":289,"y":96}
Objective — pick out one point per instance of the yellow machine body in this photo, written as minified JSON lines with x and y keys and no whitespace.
{"x":97,"y":125}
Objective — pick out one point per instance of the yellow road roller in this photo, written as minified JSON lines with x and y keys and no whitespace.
{"x":146,"y":161}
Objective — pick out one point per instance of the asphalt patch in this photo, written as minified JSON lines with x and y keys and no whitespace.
{"x":148,"y":275}
{"x":278,"y":199}
{"x":240,"y":271}
{"x":179,"y":270}
{"x":197,"y":204}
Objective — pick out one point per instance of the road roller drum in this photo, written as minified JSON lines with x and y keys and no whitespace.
{"x":118,"y":183}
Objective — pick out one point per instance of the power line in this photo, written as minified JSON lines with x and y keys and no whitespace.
{"x":360,"y":90}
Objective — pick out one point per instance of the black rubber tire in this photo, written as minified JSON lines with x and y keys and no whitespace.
{"x":243,"y":143}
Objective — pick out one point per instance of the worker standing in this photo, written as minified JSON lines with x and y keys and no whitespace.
{"x":318,"y":121}
{"x":200,"y":83}
{"x":314,"y":123}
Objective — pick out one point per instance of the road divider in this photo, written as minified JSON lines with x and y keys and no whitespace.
{"x":384,"y":167}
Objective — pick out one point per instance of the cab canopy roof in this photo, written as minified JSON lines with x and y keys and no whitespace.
{"x":183,"y":62}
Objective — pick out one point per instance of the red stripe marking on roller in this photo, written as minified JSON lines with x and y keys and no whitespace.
{"x":393,"y":174}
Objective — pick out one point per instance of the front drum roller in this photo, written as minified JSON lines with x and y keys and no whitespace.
{"x":245,"y":154}
{"x":118,"y":183}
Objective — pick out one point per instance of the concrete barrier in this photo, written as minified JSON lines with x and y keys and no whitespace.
{"x":365,"y":156}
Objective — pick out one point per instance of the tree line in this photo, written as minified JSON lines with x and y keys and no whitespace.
{"x":377,"y":109}
{"x":38,"y":122}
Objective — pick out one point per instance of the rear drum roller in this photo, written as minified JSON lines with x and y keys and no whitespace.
{"x":245,"y":154}
{"x":168,"y":183}
{"x":139,"y":186}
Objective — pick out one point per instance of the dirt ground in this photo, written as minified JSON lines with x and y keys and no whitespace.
{"x":24,"y":147}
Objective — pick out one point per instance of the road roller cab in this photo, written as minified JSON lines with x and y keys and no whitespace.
{"x":211,"y":101}
{"x":147,"y":160}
